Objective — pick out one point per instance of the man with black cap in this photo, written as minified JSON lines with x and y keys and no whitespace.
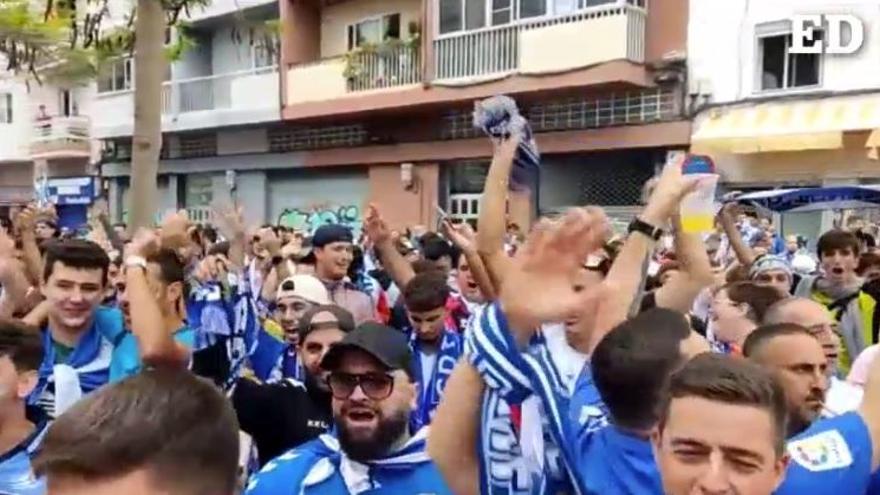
{"x":282,"y":415}
{"x":372,"y":449}
{"x":333,"y":248}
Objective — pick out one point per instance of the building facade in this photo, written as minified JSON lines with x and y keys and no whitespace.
{"x":358,"y":101}
{"x":772,"y":117}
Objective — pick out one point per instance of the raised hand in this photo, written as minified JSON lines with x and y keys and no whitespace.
{"x":230,"y":221}
{"x":145,"y":243}
{"x":462,"y":235}
{"x":269,"y":242}
{"x":672,"y":186}
{"x":174,"y":230}
{"x":375,"y":227}
{"x":541,"y":285}
{"x":26,"y":220}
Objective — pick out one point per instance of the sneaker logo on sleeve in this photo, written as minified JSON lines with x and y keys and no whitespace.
{"x":821,"y":452}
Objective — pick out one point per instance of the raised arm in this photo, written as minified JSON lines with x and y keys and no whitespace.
{"x":398,"y":268}
{"x":230,"y":222}
{"x":492,"y":222}
{"x":696,"y":274}
{"x":744,"y":253}
{"x":452,"y":443}
{"x":26,"y":222}
{"x":464,"y":237}
{"x":625,"y":278}
{"x":156,"y":343}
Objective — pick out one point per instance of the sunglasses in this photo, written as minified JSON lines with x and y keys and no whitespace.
{"x":376,"y":386}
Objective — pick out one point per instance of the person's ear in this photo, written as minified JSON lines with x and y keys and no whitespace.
{"x":174,"y":292}
{"x":27,"y":381}
{"x":655,"y":441}
{"x":779,"y":469}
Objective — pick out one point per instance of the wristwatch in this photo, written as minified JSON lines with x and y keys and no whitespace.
{"x":135,"y":261}
{"x":645,"y":228}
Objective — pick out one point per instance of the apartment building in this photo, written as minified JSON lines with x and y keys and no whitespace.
{"x":770,"y":116}
{"x":372,"y":101}
{"x":45,"y":132}
{"x":218,"y":101}
{"x":378,"y":95}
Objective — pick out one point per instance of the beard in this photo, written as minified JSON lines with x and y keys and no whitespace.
{"x":386,"y":434}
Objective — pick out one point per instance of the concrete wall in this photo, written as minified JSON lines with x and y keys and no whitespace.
{"x":242,"y":141}
{"x":723,"y":49}
{"x":336,"y":18}
{"x":15,"y":136}
{"x":401,"y":207}
{"x":305,"y":199}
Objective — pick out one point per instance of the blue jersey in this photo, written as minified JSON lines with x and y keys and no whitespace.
{"x":607,"y":459}
{"x":16,"y":475}
{"x":126,"y":359}
{"x":832,"y":457}
{"x":314,"y":468}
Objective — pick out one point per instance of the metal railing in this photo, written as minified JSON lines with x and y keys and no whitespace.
{"x":495,"y":50}
{"x":199,"y":214}
{"x":204,"y":93}
{"x":385,"y":67}
{"x":59,"y":134}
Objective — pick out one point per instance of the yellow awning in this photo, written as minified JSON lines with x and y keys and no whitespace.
{"x":873,"y":145}
{"x":786,"y":125}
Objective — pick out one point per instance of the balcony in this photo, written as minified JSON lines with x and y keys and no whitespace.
{"x":233,"y":98}
{"x":544,"y":45}
{"x":381,"y":68}
{"x":60,"y":137}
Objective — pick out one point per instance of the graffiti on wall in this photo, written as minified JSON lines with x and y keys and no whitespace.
{"x":310,"y":218}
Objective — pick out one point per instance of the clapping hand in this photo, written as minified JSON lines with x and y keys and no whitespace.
{"x":541,"y":285}
{"x":375,"y":227}
{"x":462,"y":235}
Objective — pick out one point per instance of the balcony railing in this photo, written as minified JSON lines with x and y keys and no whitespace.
{"x":214,"y":92}
{"x":61,"y":137}
{"x":384,"y":68}
{"x":546,"y":44}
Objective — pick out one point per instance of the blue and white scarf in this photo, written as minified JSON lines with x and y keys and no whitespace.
{"x":499,"y":117}
{"x":357,"y":477}
{"x":274,"y":360}
{"x":431,"y":389}
{"x":510,"y":374}
{"x":87,"y":368}
{"x":16,"y":475}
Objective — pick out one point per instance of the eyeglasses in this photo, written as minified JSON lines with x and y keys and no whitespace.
{"x":376,"y":386}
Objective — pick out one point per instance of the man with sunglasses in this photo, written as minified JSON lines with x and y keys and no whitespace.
{"x":372,"y":450}
{"x":283,"y":415}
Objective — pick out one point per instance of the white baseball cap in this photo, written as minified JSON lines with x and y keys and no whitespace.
{"x":304,"y":287}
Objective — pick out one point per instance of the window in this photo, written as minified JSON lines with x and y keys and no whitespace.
{"x":456,"y":15}
{"x":502,"y":11}
{"x":532,"y":8}
{"x":116,"y":75}
{"x":5,"y":108}
{"x":374,"y":30}
{"x":780,"y":69}
{"x":263,"y":51}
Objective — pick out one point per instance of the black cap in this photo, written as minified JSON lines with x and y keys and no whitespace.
{"x":344,"y":320}
{"x":389,"y":346}
{"x":328,"y":234}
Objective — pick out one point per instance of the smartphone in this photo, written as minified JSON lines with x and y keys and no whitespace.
{"x":442,"y":216}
